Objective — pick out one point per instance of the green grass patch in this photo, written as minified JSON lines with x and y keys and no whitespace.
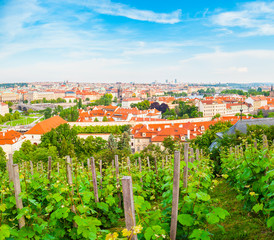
{"x":21,"y":121}
{"x":241,"y":224}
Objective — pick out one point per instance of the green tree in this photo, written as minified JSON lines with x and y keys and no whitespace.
{"x":105,"y":119}
{"x":3,"y":159}
{"x":48,"y":113}
{"x":80,"y":104}
{"x":112,"y":143}
{"x":70,"y":114}
{"x":124,"y":142}
{"x":63,"y":138}
{"x":96,"y":119}
{"x":171,"y":144}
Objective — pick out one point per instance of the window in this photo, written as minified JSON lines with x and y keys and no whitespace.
{"x":144,"y":134}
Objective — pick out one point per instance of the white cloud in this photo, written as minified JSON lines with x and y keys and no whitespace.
{"x":117,"y":9}
{"x":257,"y":18}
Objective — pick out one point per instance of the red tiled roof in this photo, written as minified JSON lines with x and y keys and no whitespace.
{"x":9,"y":137}
{"x":46,"y":125}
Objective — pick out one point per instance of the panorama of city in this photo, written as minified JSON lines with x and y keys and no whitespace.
{"x":126,"y":120}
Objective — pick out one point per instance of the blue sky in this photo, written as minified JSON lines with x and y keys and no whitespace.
{"x":137,"y":40}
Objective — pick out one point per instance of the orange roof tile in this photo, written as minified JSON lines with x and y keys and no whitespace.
{"x":9,"y":137}
{"x":46,"y":125}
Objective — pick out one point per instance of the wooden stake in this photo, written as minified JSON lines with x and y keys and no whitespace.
{"x":49,"y":170}
{"x":140,"y":169}
{"x":117,"y":179}
{"x":156,"y":169}
{"x":17,"y":191}
{"x":88,"y":164}
{"x":166,"y":159}
{"x":148,"y":163}
{"x":191,"y":155}
{"x":94,"y":180}
{"x":265,"y":142}
{"x":255,"y":144}
{"x":175,"y":195}
{"x":58,"y":167}
{"x":10,"y":168}
{"x":31,"y":167}
{"x":186,"y":166}
{"x":70,"y":182}
{"x":129,"y":204}
{"x":42,"y":167}
{"x":101,"y":173}
{"x":197,"y":154}
{"x":128,"y":164}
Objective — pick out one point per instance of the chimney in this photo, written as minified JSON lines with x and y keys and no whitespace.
{"x":188,"y":134}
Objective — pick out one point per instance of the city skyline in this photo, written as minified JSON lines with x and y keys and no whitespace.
{"x":139,"y":41}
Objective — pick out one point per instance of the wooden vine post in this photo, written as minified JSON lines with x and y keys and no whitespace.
{"x":148,"y":163}
{"x":255,"y":144}
{"x":175,"y":195}
{"x":156,"y":169}
{"x":94,"y":180}
{"x":88,"y":164}
{"x":197,"y":154}
{"x":58,"y":167}
{"x":70,"y":182}
{"x":129,"y":204}
{"x":101,"y":173}
{"x":31,"y":167}
{"x":49,"y":170}
{"x":117,"y":179}
{"x":186,"y":164}
{"x":191,"y":155}
{"x":10,"y":168}
{"x":128,"y":164}
{"x":140,"y":169}
{"x":17,"y":191}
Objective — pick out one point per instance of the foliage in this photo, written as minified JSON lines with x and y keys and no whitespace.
{"x":171,"y":144}
{"x":104,"y":100}
{"x":249,"y":92}
{"x":48,"y":113}
{"x":144,"y":105}
{"x":216,"y":116}
{"x":3,"y":159}
{"x":9,"y":117}
{"x":208,"y":90}
{"x":251,"y":174}
{"x":162,"y":108}
{"x":184,"y":110}
{"x":63,"y":138}
{"x":172,"y":94}
{"x":117,"y":129}
{"x":70,"y":114}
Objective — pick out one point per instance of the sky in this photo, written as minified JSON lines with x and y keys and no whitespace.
{"x":138,"y":41}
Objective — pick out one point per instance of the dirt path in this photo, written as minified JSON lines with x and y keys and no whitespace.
{"x":241,"y":224}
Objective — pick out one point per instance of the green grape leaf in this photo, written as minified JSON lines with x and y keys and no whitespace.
{"x":270,"y":223}
{"x":258,"y":207}
{"x":4,"y":232}
{"x":186,"y":219}
{"x":199,"y":234}
{"x":212,"y":218}
{"x":3,"y":207}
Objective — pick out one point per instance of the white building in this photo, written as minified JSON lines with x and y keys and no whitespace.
{"x":11,"y":141}
{"x":4,"y":108}
{"x":128,"y":101}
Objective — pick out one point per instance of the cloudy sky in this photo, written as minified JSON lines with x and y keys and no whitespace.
{"x":137,"y":40}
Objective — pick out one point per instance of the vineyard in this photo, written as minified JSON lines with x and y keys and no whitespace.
{"x":168,"y":197}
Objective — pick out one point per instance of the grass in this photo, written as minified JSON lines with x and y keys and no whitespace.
{"x":21,"y":121}
{"x":241,"y":224}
